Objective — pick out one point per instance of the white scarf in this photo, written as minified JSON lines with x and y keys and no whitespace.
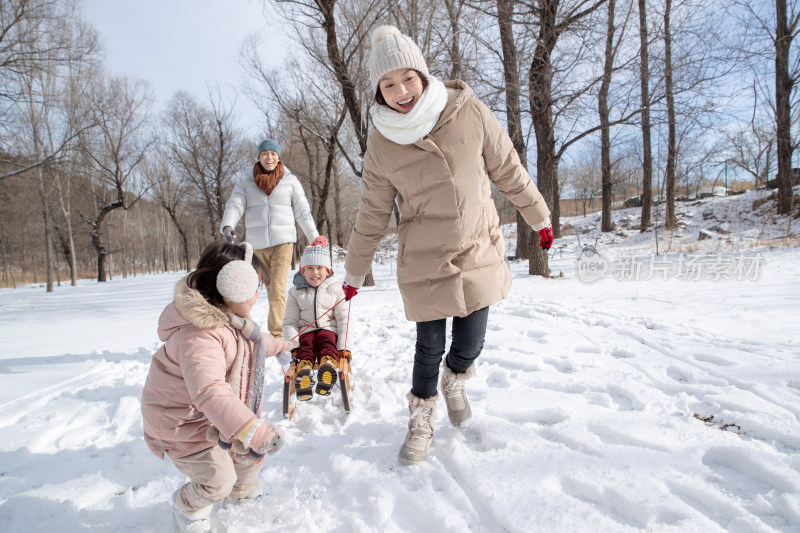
{"x":408,"y":128}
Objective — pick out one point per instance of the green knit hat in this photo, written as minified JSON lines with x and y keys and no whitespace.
{"x":268,"y":144}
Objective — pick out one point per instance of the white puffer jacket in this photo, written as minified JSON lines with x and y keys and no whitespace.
{"x":270,"y":219}
{"x":305,"y":303}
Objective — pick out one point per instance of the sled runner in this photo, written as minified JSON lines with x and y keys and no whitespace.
{"x":344,"y":374}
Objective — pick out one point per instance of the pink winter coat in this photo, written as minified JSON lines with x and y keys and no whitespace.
{"x":186,"y":389}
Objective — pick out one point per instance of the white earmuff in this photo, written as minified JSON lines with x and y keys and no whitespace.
{"x":238,"y":280}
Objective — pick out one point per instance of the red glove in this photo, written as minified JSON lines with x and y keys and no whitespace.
{"x":546,"y":237}
{"x":320,"y":241}
{"x":349,"y":291}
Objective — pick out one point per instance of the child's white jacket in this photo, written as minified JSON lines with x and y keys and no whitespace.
{"x":305,"y":303}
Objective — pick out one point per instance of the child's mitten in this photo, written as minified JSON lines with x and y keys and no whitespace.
{"x":285,"y":345}
{"x":284,"y":358}
{"x":263,"y":438}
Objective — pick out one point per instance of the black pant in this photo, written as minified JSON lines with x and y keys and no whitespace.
{"x":469,"y":333}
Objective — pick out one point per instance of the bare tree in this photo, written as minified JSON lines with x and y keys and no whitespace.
{"x":786,"y":28}
{"x":772,"y":47}
{"x":122,"y":112}
{"x":505,"y":20}
{"x":698,"y":62}
{"x":170,"y":191}
{"x":609,"y":67}
{"x":647,"y":149}
{"x":77,"y":118}
{"x":582,"y":178}
{"x":36,"y":36}
{"x":206,"y":149}
{"x":670,"y":222}
{"x":43,"y":76}
{"x":550,"y":25}
{"x":750,"y":149}
{"x":454,"y":9}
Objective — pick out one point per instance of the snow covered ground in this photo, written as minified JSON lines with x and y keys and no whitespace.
{"x":647,"y":400}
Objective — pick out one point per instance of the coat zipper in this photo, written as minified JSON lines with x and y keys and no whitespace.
{"x":269,"y":226}
{"x":316,"y":290}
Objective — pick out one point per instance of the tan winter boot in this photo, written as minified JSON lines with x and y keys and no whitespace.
{"x":455,"y":396}
{"x":420,"y":430}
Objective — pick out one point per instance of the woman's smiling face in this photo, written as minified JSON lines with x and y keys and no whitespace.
{"x":401,"y":88}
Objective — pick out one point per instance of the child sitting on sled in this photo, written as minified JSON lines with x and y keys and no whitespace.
{"x":316,"y":307}
{"x":201,"y":403}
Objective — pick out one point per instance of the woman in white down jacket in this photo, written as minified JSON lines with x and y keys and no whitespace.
{"x":271,"y":201}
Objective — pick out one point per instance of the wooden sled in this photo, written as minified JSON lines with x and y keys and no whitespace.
{"x":345,"y":373}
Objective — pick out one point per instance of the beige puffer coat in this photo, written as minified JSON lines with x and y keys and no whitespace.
{"x":186,"y":389}
{"x":305,"y":303}
{"x":451,"y":257}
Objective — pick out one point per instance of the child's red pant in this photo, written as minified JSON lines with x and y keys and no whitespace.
{"x":316,"y":344}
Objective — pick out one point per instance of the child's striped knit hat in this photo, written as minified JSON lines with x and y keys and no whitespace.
{"x":317,"y":253}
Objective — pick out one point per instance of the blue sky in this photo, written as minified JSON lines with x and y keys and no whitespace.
{"x":185,"y":44}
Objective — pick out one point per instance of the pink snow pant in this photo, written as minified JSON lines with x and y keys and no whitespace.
{"x":215,"y":474}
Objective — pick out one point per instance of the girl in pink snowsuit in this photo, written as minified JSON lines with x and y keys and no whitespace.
{"x":201,"y":402}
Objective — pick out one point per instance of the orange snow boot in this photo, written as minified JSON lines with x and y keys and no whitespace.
{"x":304,"y":381}
{"x":326,"y":375}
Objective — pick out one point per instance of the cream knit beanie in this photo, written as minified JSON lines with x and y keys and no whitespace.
{"x":238,"y":280}
{"x":392,"y":50}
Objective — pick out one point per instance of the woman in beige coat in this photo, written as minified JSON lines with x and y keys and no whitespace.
{"x":436,"y":150}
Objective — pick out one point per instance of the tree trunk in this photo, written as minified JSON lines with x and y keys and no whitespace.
{"x":97,"y":239}
{"x":349,"y":94}
{"x":337,"y":204}
{"x":505,"y":11}
{"x":186,"y":263}
{"x":540,"y":79}
{"x":647,"y":155}
{"x":48,"y":254}
{"x":605,"y":129}
{"x":670,"y":221}
{"x":322,"y":214}
{"x":326,"y":8}
{"x":101,"y":267}
{"x":783,"y":112}
{"x":73,"y":266}
{"x":453,"y":12}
